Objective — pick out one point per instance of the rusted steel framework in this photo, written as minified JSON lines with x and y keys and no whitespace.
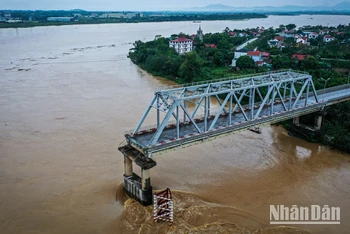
{"x":251,"y":97}
{"x":163,"y":207}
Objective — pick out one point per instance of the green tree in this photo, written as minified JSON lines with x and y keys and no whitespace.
{"x":281,"y":62}
{"x":245,"y":62}
{"x":219,"y":59}
{"x":290,"y":26}
{"x":309,"y":64}
{"x":191,"y":67}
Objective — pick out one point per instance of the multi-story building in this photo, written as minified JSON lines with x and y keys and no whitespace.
{"x":182,"y":45}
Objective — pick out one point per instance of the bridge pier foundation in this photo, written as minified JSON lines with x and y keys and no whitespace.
{"x":137,"y":187}
{"x":318,"y":120}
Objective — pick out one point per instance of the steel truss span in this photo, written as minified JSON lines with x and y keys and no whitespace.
{"x":184,"y":115}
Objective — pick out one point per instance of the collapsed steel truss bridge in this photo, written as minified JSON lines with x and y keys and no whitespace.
{"x":193,"y":113}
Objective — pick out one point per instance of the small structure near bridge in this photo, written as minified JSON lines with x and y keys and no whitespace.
{"x":163,"y":206}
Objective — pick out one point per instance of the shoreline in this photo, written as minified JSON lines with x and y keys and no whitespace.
{"x":45,"y":23}
{"x":28,"y":24}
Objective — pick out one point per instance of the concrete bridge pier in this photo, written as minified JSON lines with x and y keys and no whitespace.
{"x":296,"y":121}
{"x":319,"y":119}
{"x":146,"y":180}
{"x":137,"y":187}
{"x":128,"y":168}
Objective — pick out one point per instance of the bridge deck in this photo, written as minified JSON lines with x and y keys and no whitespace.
{"x":188,"y":133}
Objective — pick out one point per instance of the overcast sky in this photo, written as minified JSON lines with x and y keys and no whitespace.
{"x":142,"y":5}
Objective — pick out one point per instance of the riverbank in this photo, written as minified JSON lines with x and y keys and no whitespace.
{"x":145,"y":19}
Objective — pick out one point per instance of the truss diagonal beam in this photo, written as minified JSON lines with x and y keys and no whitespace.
{"x":191,"y":119}
{"x":240,"y":106}
{"x":162,"y":125}
{"x":219,"y":112}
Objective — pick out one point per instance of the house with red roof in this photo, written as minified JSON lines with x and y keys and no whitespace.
{"x":181,"y":45}
{"x":300,"y":57}
{"x":232,"y":34}
{"x":255,"y":55}
{"x":265,"y":54}
{"x":328,"y":38}
{"x":243,"y":34}
{"x":280,"y":38}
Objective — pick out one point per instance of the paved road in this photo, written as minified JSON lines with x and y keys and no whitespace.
{"x":246,"y":43}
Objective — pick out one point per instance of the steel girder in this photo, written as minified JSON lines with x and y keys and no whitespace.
{"x":250,"y":97}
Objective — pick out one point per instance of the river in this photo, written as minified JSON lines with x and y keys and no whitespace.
{"x":68,"y":93}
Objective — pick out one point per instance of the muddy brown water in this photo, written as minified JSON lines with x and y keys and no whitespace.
{"x":67,"y":94}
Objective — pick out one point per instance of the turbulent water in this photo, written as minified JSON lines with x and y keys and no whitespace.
{"x":68,"y":93}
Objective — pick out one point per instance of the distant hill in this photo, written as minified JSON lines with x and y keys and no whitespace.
{"x":213,"y":7}
{"x":77,"y":10}
{"x":344,"y":6}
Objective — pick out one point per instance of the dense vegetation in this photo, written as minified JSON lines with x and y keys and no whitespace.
{"x":201,"y":64}
{"x":39,"y":17}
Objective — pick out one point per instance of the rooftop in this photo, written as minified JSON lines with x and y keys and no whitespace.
{"x":301,"y":56}
{"x":181,"y":39}
{"x":254,"y":53}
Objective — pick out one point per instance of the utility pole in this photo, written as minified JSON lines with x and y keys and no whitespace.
{"x":325,"y":84}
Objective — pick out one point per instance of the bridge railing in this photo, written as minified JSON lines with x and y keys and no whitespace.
{"x":331,"y":89}
{"x":165,"y":87}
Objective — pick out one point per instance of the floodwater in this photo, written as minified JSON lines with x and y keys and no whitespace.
{"x":68,"y":93}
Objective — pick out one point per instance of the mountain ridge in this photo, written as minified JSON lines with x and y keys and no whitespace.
{"x":343,"y":6}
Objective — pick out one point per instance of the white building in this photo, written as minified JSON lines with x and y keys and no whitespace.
{"x":324,"y":32}
{"x":182,"y":45}
{"x":328,"y":38}
{"x":112,"y":15}
{"x":313,"y":35}
{"x":241,"y":52}
{"x":255,"y":55}
{"x":301,"y":40}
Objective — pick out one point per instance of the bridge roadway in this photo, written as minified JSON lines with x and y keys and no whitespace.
{"x":189,"y":135}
